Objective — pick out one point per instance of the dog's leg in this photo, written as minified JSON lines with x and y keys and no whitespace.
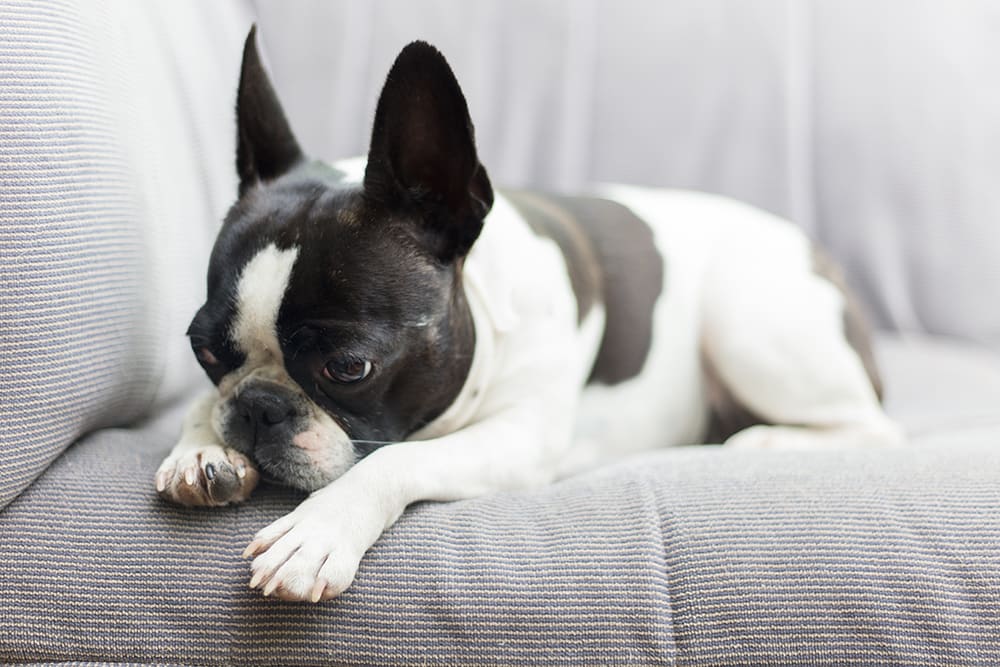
{"x":774,"y":334}
{"x":201,"y":470}
{"x":313,"y":553}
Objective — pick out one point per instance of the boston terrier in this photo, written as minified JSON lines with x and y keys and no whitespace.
{"x":391,"y":329}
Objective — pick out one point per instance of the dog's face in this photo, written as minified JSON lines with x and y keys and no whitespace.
{"x":335,"y":319}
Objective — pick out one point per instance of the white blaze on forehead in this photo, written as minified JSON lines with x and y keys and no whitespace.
{"x":352,"y":168}
{"x":259,"y":294}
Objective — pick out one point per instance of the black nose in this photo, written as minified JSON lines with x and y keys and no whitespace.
{"x":263,"y":408}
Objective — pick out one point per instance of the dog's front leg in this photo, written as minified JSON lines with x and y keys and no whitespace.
{"x":200,"y":470}
{"x":313,"y":553}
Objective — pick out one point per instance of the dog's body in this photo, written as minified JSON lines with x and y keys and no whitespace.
{"x":488,"y":341}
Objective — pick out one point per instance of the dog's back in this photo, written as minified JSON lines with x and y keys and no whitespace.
{"x":687,"y":293}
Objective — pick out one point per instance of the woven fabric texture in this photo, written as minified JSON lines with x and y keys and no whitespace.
{"x":71,"y":294}
{"x":697,"y":557}
{"x":108,"y":202}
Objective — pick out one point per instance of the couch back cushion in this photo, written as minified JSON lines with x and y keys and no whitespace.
{"x":887,"y":150}
{"x":116,"y":144}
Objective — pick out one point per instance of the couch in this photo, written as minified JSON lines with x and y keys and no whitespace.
{"x":876,"y":126}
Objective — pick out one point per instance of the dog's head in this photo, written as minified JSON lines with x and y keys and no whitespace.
{"x":335,"y":317}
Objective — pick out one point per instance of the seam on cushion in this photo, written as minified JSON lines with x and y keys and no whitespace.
{"x":662,"y":527}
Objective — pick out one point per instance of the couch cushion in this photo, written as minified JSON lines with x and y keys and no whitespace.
{"x":117,"y":142}
{"x":694,"y":555}
{"x":944,"y":392}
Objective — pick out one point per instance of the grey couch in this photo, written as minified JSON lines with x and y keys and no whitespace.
{"x":874,"y":125}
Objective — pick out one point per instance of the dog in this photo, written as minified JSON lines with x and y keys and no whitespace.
{"x":391,"y":329}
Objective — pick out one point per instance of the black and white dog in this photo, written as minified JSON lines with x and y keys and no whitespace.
{"x":390,"y":330}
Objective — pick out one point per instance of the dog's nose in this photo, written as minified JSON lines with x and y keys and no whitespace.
{"x":263,"y":408}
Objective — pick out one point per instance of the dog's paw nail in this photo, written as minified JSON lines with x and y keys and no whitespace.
{"x":161,"y":482}
{"x":318,"y":589}
{"x":271,"y":585}
{"x":251,"y":549}
{"x":210,"y":471}
{"x":241,"y":470}
{"x":189,"y":476}
{"x":256,"y":579}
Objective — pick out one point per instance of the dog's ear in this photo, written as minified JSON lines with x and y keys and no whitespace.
{"x":423,"y":158}
{"x":265,"y":145}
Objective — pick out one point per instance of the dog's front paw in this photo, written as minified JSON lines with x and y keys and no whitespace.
{"x":206,"y":476}
{"x":313,"y":553}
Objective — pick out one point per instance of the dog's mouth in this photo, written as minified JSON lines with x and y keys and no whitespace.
{"x":269,"y":467}
{"x":289,"y":465}
{"x":277,"y":467}
{"x":291,"y":475}
{"x":268,"y":478}
{"x":305,"y":449}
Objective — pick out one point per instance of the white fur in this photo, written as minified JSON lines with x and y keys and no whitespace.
{"x":738,"y":285}
{"x":352,"y":168}
{"x":259,"y":294}
{"x":197,"y":437}
{"x":771,"y":326}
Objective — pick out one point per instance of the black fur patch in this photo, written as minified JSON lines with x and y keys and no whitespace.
{"x":611,"y":259}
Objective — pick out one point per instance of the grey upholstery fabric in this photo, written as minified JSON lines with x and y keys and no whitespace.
{"x":69,"y":250}
{"x":117,"y":136}
{"x":692,"y":556}
{"x":873,"y":124}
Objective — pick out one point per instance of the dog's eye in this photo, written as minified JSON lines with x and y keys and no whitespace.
{"x":205,"y":356}
{"x":348,"y":370}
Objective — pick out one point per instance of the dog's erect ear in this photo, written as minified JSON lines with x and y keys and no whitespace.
{"x":423,"y":152}
{"x":265,"y":145}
